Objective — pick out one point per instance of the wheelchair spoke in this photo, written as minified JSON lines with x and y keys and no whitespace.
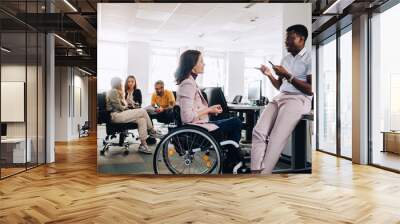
{"x":187,"y":142}
{"x":193,"y":141}
{"x":201,"y":144}
{"x":188,"y":151}
{"x":180,"y":145}
{"x":200,"y":165}
{"x":184,"y":167}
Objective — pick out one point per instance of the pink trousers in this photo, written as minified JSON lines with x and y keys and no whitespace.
{"x":272,"y":131}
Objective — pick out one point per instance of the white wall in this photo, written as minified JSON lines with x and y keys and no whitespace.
{"x":297,"y":13}
{"x":235,"y":74}
{"x":62,"y":81}
{"x":68,"y":81}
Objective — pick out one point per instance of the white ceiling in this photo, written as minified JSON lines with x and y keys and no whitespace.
{"x":213,"y":26}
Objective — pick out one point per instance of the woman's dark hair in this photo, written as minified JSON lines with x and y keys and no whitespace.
{"x":187,"y":61}
{"x":126,"y":83}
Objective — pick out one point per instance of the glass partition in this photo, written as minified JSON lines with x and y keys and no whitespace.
{"x":327,"y":96}
{"x":23,"y":90}
{"x":15,"y":151}
{"x":385,"y":90}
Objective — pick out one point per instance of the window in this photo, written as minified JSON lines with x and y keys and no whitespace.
{"x":385,"y":88}
{"x":109,"y":65}
{"x":163,"y":64}
{"x":327,"y":96}
{"x":346,"y":94}
{"x":251,"y":74}
{"x":214,"y":70}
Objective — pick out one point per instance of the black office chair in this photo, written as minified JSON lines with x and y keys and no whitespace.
{"x":114,"y":129}
{"x":215,"y":95}
{"x":84,"y":129}
{"x":174,"y":92}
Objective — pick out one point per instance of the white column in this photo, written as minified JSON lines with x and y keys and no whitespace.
{"x":139,"y":66}
{"x":235,"y":75}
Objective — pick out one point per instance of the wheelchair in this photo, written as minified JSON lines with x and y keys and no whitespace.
{"x":115,"y":130}
{"x":191,"y":149}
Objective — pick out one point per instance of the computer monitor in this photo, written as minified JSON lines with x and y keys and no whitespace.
{"x":254,"y":90}
{"x":3,"y":130}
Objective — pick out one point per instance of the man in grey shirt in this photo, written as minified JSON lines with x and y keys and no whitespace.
{"x":281,"y":115}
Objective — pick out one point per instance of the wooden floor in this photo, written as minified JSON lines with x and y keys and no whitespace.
{"x":71,"y":191}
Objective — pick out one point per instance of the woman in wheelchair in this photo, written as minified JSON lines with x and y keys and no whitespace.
{"x":195,"y":110}
{"x":120,"y":113}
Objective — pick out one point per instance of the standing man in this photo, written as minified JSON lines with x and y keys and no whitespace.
{"x":281,"y":115}
{"x":163,"y":100}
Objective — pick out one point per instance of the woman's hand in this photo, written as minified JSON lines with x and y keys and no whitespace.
{"x":215,"y":109}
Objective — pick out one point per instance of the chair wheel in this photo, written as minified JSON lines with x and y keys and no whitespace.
{"x":126,"y":152}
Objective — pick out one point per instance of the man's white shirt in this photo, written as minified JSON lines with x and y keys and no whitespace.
{"x":299,"y":66}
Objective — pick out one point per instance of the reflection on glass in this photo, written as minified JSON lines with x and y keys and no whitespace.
{"x":385,"y":84}
{"x":31,"y":97}
{"x":346,"y":94}
{"x":14,"y":153}
{"x":327,"y":97}
{"x":41,"y":99}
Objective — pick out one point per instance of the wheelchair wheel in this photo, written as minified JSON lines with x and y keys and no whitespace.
{"x":187,"y":150}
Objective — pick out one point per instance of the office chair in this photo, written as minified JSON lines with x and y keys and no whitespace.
{"x":174,"y":93}
{"x":84,"y":129}
{"x":114,"y":129}
{"x":215,"y":95}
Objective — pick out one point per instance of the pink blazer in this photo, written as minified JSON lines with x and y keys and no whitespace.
{"x":190,"y":100}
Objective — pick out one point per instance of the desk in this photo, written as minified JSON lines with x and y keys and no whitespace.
{"x":13,"y":150}
{"x":299,"y":147}
{"x":301,"y":143}
{"x":252,"y":113}
{"x":391,"y":141}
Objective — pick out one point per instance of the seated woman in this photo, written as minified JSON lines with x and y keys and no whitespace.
{"x":120,"y":113}
{"x":194,"y":108}
{"x":133,"y":95}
